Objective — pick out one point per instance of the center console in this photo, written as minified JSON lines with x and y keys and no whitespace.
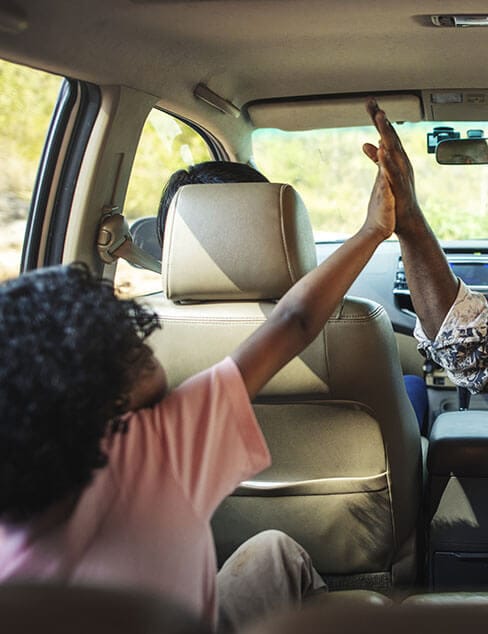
{"x":458,"y":502}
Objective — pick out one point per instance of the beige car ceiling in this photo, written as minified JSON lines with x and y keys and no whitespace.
{"x":251,"y":50}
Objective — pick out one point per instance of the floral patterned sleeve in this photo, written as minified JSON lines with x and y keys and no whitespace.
{"x":461,"y":345}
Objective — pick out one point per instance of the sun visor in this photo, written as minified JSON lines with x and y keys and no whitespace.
{"x":313,"y":114}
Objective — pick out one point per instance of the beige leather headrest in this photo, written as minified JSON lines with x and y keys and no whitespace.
{"x":236,"y":241}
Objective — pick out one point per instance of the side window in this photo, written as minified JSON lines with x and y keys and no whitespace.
{"x":166,"y":145}
{"x":27,"y":100}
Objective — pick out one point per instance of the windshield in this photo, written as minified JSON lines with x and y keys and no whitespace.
{"x":334,"y":178}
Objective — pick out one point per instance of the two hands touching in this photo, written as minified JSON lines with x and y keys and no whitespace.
{"x":393,"y":205}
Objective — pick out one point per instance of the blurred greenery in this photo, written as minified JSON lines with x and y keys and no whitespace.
{"x":335,"y":179}
{"x":166,"y":145}
{"x":27,"y":99}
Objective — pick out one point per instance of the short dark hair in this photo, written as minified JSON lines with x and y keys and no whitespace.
{"x":71,"y":352}
{"x":204,"y":173}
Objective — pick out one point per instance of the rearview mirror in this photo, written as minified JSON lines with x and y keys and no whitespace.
{"x":462,"y":152}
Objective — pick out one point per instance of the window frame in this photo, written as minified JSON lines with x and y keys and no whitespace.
{"x":81,"y":100}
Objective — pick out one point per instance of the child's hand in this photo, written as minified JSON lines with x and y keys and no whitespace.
{"x":397,"y":167}
{"x":381,"y":208}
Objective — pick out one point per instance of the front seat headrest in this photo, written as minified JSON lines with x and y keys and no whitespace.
{"x":236,"y":241}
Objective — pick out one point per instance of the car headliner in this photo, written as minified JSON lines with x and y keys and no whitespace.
{"x":247,"y":50}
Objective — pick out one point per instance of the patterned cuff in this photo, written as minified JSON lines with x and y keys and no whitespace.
{"x":424,"y":342}
{"x":461,"y":345}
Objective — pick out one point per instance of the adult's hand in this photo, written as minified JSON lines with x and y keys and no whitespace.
{"x":391,"y":156}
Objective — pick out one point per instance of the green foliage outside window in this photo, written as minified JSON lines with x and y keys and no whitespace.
{"x":334,"y":178}
{"x":27,"y":99}
{"x":166,"y":145}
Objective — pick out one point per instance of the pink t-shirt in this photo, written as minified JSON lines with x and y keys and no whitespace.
{"x":144,"y":521}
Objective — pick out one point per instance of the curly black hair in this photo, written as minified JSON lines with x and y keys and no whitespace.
{"x":71,"y":352}
{"x":214,"y":172}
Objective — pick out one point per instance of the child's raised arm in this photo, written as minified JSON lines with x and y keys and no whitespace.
{"x":304,"y":309}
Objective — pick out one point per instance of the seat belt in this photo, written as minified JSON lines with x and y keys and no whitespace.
{"x":115,"y":241}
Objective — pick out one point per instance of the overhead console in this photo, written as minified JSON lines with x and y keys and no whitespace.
{"x":455,"y":105}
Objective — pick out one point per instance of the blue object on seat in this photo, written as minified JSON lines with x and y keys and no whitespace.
{"x":417,"y":393}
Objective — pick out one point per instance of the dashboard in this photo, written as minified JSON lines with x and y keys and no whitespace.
{"x":383,"y":279}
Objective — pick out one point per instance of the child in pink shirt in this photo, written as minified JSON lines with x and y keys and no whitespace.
{"x":105,"y":478}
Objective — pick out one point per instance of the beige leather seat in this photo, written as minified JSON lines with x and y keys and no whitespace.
{"x":346,"y":474}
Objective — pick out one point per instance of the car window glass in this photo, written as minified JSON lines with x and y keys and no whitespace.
{"x":166,"y":145}
{"x":334,"y":178}
{"x":27,"y":100}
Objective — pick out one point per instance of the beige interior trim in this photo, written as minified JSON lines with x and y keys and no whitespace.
{"x":105,"y":170}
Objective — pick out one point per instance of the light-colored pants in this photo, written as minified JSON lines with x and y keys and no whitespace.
{"x":267,"y":572}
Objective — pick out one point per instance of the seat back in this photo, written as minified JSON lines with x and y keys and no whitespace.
{"x":345,"y":479}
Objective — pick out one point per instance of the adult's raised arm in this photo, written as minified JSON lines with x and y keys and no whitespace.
{"x":433,"y":286}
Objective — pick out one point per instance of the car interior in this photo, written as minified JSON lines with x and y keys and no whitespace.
{"x":384,"y":503}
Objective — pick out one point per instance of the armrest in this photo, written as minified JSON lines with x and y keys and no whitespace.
{"x":459,"y":444}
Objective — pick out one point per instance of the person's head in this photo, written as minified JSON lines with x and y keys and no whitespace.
{"x":72,"y":359}
{"x":202,"y":174}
